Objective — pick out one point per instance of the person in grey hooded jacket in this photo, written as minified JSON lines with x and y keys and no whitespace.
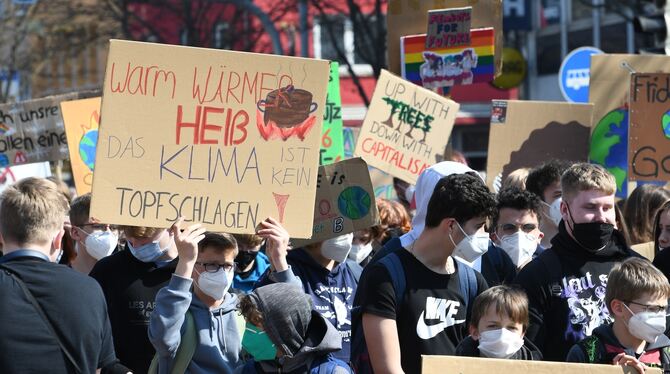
{"x":285,"y":334}
{"x":206,"y":261}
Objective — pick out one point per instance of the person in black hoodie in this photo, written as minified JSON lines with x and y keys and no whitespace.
{"x":637,"y":297}
{"x":130,"y":280}
{"x":498,"y":325}
{"x":566,"y":284}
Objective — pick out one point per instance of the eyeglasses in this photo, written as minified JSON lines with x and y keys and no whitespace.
{"x":99,"y":226}
{"x":651,"y":308}
{"x":213,"y":268}
{"x":510,"y":228}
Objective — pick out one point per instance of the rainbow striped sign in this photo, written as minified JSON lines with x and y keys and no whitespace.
{"x":445,"y":67}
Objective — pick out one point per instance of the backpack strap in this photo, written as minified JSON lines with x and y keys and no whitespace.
{"x":187,"y":345}
{"x":467,"y":283}
{"x":394,"y":266}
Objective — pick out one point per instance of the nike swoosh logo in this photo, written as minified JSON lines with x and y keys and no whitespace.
{"x":426,"y":332}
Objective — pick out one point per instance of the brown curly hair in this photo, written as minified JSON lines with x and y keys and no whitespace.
{"x":248,"y":309}
{"x":392,"y":215}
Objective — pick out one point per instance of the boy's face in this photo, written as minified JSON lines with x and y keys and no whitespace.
{"x":552,"y":192}
{"x":161,"y":236}
{"x":664,"y":229}
{"x":646,"y":302}
{"x":512,"y":220}
{"x":589,"y":206}
{"x":211,"y":256}
{"x":493,"y":321}
{"x":471,"y":227}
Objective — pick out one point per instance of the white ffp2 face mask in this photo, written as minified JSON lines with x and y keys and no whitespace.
{"x":472,"y":246}
{"x":647,"y":326}
{"x":555,"y":211}
{"x":500,"y":343}
{"x":338,"y":248}
{"x":100,"y":243}
{"x":360,"y":251}
{"x":519,"y":246}
{"x":215,"y":285}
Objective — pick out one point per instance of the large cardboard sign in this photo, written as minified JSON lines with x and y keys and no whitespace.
{"x":406,"y":128}
{"x":82,"y":121}
{"x":471,"y":365}
{"x":528,"y":133}
{"x":410,"y":17}
{"x":448,"y":27}
{"x":381,"y":182}
{"x":332,"y":145}
{"x":609,"y":91}
{"x":345,"y":201}
{"x":448,"y":66}
{"x":218,"y":137}
{"x":649,"y":132}
{"x":32,"y":131}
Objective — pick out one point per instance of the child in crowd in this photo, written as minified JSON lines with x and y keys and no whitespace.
{"x":498,"y":325}
{"x":637,"y":297}
{"x":285,"y":334}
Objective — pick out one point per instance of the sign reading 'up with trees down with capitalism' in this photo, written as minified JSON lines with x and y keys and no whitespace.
{"x":406,"y":128}
{"x":218,"y":137}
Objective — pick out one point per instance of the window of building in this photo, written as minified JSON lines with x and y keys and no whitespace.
{"x":331,"y":33}
{"x":222,"y":35}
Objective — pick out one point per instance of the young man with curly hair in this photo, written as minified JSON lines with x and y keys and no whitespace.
{"x":433,"y":318}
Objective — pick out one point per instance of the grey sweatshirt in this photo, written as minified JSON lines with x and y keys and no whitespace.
{"x":219,"y":342}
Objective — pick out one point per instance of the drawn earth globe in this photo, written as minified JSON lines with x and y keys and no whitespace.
{"x":609,"y":146}
{"x":354,"y":202}
{"x":87,"y":145}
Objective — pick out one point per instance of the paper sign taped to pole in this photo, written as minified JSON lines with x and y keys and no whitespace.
{"x":609,"y":88}
{"x":406,"y":128}
{"x":476,"y":365}
{"x":222,"y":138}
{"x":345,"y":201}
{"x":33,"y":131}
{"x":448,"y":27}
{"x":410,"y":17}
{"x":649,"y":132}
{"x":332,"y":144}
{"x":82,"y":121}
{"x":529,"y":133}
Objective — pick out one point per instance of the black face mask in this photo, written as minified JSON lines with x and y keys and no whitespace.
{"x":592,"y":236}
{"x":244,"y":259}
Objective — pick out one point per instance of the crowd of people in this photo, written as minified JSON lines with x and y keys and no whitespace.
{"x":550,"y":267}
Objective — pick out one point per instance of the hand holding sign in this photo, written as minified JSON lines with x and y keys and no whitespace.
{"x":276,"y":243}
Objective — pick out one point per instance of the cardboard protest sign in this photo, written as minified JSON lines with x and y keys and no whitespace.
{"x":218,"y":137}
{"x":649,"y":132}
{"x":448,"y":66}
{"x":472,"y":365}
{"x":32,"y":131}
{"x":609,"y":88}
{"x":406,"y":128}
{"x":448,"y":27}
{"x":82,"y":120}
{"x":381,"y":182}
{"x":345,"y":201}
{"x":528,"y":133}
{"x":410,"y":17}
{"x":332,"y":145}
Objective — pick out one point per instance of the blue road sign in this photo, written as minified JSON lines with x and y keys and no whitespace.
{"x":573,"y":77}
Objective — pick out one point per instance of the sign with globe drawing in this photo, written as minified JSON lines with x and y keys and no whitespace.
{"x":81,"y":118}
{"x":609,"y":90}
{"x":649,"y":133}
{"x":345,"y":201}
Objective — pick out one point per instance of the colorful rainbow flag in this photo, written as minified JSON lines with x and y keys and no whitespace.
{"x":445,"y":67}
{"x":3,"y":128}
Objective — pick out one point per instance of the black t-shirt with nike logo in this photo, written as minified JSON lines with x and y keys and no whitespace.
{"x":431,"y":317}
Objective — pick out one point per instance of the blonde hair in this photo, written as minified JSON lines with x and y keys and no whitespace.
{"x":517,"y":179}
{"x":31,"y":210}
{"x":633,"y":278}
{"x":139,"y":231}
{"x":584,"y":177}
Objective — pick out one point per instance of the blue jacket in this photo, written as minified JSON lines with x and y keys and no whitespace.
{"x":246,"y":285}
{"x":332,"y":292}
{"x":219,"y":342}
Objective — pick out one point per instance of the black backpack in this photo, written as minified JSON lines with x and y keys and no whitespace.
{"x":360,"y":358}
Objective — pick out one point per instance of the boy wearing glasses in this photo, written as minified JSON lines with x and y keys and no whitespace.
{"x":637,"y":298}
{"x":92,"y":240}
{"x":206,"y":262}
{"x":515,"y":224}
